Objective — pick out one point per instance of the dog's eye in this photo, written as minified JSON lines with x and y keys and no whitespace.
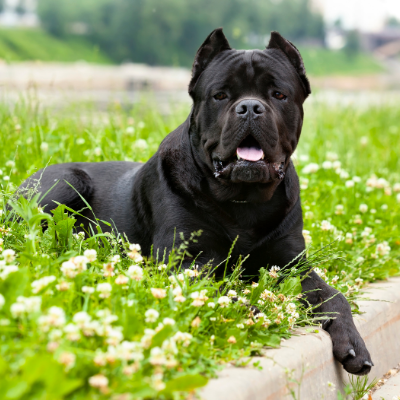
{"x":220,"y":96}
{"x":279,"y":95}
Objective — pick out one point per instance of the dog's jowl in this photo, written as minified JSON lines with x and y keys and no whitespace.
{"x":226,"y":170}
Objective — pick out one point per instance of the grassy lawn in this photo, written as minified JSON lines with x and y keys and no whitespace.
{"x":85,"y":317}
{"x":35,"y":44}
{"x":324,"y":62}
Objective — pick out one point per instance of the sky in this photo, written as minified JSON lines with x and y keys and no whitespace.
{"x":365,"y":15}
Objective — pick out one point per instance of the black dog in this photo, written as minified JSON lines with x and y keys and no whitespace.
{"x":226,"y":170}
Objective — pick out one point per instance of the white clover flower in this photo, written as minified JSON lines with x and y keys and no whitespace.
{"x":41,"y":283}
{"x":349,"y":184}
{"x":358,"y":281}
{"x":383,"y":248}
{"x":116,"y":259}
{"x":211,"y":304}
{"x":97,"y":151}
{"x":17,"y":310}
{"x":6,"y":270}
{"x":158,"y":293}
{"x":134,"y":247}
{"x":157,"y":356}
{"x":339,"y":209}
{"x":32,"y":304}
{"x":44,"y":147}
{"x":72,"y":332}
{"x":8,"y":255}
{"x":268,"y":295}
{"x":105,"y":289}
{"x":344,"y":174}
{"x":360,"y":260}
{"x":307,"y":236}
{"x":232,"y":293}
{"x":55,"y":317}
{"x":151,"y":315}
{"x":98,"y":381}
{"x":81,"y":318}
{"x":162,"y":267}
{"x":396,"y":187}
{"x":231,"y":339}
{"x":130,"y":129}
{"x":356,"y":179}
{"x":114,"y":335}
{"x":363,"y":208}
{"x":291,"y":307}
{"x":199,"y":298}
{"x":67,"y":359}
{"x":273,"y":272}
{"x":177,"y":291}
{"x":90,"y":254}
{"x":183,"y":337}
{"x":398,"y":197}
{"x":335,"y":279}
{"x":2,"y":301}
{"x":140,"y":144}
{"x":121,"y":280}
{"x":145,"y":341}
{"x":327,"y":165}
{"x":168,"y":321}
{"x":326,"y":226}
{"x":179,"y":298}
{"x":254,"y":285}
{"x":108,"y":270}
{"x":224,"y":301}
{"x":331,"y":386}
{"x":336,"y":165}
{"x":88,"y":289}
{"x":240,"y":326}
{"x":69,"y":269}
{"x":310,"y":168}
{"x":135,"y":272}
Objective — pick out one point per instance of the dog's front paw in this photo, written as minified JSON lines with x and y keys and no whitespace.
{"x":348,"y":346}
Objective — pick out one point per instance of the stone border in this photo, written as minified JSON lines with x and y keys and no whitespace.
{"x":305,"y":364}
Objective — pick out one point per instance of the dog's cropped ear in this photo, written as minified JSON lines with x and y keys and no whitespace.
{"x":291,"y":52}
{"x":213,"y":45}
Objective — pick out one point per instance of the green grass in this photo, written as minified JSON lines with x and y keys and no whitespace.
{"x":36,"y":44}
{"x":53,"y":353}
{"x":324,"y":62}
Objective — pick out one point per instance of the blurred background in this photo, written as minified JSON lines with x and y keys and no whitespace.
{"x":121,"y":50}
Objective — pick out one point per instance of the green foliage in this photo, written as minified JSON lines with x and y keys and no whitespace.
{"x":170,"y":31}
{"x":35,"y":44}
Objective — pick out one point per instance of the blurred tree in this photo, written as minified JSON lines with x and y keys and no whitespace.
{"x":170,"y":31}
{"x":353,"y":44}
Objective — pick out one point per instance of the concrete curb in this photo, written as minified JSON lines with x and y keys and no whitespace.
{"x":304,"y":364}
{"x":389,"y":390}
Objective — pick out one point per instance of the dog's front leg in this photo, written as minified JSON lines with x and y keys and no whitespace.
{"x":348,"y":346}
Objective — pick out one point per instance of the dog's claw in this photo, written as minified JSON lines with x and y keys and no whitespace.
{"x":367,"y":363}
{"x":353,"y":354}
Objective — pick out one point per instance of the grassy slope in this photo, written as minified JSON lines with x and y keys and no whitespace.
{"x":28,"y":44}
{"x":35,"y":44}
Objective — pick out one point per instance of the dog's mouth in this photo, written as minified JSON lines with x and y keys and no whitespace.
{"x":249,"y":164}
{"x":250,"y":150}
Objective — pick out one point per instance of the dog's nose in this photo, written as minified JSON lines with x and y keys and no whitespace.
{"x":249,"y":108}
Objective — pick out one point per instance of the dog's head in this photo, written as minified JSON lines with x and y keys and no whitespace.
{"x":247,"y":114}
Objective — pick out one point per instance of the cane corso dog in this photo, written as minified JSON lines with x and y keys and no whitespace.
{"x":226,"y":170}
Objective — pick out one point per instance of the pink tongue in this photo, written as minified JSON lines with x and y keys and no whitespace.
{"x":249,"y":153}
